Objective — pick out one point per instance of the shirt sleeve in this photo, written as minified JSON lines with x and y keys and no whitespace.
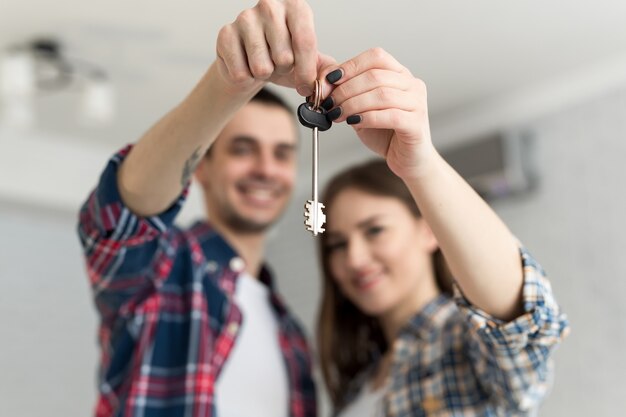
{"x":121,"y":248}
{"x":512,"y":359}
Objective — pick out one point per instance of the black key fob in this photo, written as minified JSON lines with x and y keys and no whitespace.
{"x":311,"y":118}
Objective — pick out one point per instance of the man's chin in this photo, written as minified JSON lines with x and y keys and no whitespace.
{"x":252,"y":220}
{"x":248,"y":225}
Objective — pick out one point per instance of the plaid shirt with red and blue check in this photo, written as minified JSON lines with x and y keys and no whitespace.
{"x":168,"y":320}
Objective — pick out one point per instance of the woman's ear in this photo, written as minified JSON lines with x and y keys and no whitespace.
{"x":427,"y":236}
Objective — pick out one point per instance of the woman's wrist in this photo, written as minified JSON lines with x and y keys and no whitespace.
{"x":427,"y":165}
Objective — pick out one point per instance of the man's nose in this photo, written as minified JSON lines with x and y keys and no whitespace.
{"x":265,"y":165}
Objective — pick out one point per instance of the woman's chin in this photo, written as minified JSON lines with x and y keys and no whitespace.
{"x":374,"y":308}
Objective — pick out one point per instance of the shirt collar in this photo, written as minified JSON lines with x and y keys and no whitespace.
{"x":219,"y":254}
{"x":430,"y":319}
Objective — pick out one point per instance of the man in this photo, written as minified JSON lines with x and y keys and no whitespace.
{"x":191,"y":324}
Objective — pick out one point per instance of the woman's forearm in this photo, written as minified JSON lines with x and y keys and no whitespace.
{"x":481,"y":252}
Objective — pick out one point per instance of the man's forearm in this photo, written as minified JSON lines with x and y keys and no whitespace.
{"x":160,"y":164}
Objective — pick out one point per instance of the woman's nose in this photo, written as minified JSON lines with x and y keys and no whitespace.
{"x":358,"y":254}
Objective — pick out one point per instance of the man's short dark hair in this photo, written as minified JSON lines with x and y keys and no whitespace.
{"x":267,"y":96}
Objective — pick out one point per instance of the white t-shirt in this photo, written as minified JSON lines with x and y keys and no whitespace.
{"x":253,"y":381}
{"x":369,"y":403}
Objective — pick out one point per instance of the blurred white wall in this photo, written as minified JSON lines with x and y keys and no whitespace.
{"x":48,"y":350}
{"x":573,"y":223}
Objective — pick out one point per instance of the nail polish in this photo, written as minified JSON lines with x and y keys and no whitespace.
{"x":334,"y":76}
{"x":334,"y":114}
{"x":328,"y":103}
{"x":354,"y":119}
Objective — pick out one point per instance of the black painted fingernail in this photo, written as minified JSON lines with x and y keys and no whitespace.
{"x":354,"y":119}
{"x":334,"y":114}
{"x":334,"y":76}
{"x":328,"y":103}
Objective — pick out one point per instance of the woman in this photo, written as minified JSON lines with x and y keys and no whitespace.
{"x":393,"y":340}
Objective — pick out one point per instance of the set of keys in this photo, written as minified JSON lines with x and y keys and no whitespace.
{"x":313,"y":116}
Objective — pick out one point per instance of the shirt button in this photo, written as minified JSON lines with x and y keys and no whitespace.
{"x":211,"y":267}
{"x":526,"y":404}
{"x":232,"y":328}
{"x":237,"y":264}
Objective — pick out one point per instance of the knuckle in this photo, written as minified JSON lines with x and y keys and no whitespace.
{"x":225,"y":35}
{"x":384,"y":94}
{"x":352,"y":67}
{"x":270,"y":8}
{"x":305,"y":9}
{"x":265,"y":5}
{"x":375,"y":77}
{"x":240,"y":76}
{"x":246,"y":18}
{"x":261,"y":70}
{"x":420,"y":85}
{"x":283,"y":58}
{"x":378,"y":53}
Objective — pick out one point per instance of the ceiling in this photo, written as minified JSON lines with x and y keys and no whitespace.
{"x":467,"y":52}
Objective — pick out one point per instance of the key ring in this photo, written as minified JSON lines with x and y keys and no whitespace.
{"x":317,"y":95}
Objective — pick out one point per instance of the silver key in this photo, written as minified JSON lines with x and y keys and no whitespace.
{"x":313,"y":116}
{"x":315,"y":217}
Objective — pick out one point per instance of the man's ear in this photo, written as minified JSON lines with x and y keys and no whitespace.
{"x":427,"y":236}
{"x":201,"y":172}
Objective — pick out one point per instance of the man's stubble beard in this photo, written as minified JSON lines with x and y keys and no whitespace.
{"x":240,"y":224}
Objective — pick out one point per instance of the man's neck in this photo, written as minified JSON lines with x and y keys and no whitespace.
{"x":250,"y":246}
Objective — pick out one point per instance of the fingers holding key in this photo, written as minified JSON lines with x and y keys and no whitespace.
{"x":272,"y":41}
{"x":372,"y":90}
{"x":386,"y":105}
{"x":276,"y":34}
{"x":375,"y":58}
{"x":373,"y":81}
{"x":303,"y":43}
{"x":252,"y":29}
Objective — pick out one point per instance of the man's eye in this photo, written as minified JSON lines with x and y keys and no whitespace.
{"x":240,"y":150}
{"x":283,"y":155}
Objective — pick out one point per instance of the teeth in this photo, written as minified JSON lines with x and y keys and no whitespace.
{"x":260,"y":194}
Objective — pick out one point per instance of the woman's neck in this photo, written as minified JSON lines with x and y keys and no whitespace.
{"x":382,"y":371}
{"x":396,"y":318}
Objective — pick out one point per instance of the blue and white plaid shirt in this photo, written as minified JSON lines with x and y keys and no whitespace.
{"x":453,"y":359}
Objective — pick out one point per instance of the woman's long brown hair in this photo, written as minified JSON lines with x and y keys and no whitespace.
{"x":348,"y":340}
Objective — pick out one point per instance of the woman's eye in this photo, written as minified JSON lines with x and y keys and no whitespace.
{"x":335,"y":246}
{"x":374,"y":230}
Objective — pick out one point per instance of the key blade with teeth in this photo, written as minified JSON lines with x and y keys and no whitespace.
{"x":315,"y":217}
